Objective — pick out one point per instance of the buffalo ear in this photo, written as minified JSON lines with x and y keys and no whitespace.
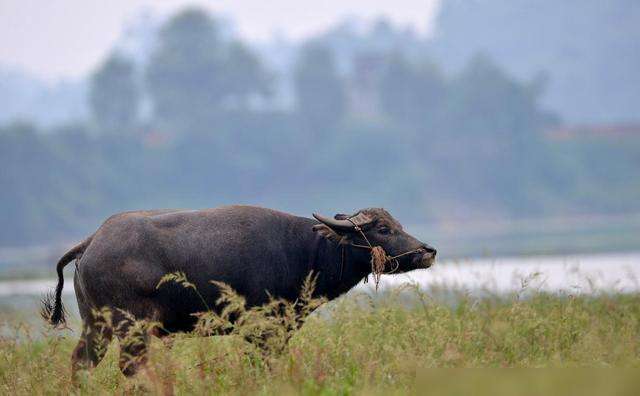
{"x":328,"y":233}
{"x":341,"y":216}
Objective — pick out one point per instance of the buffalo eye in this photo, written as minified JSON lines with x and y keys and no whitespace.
{"x":384,"y":230}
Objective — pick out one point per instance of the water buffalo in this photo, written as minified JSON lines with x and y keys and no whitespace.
{"x":256,"y":251}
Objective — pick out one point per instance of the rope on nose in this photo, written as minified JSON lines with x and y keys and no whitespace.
{"x":379,"y":258}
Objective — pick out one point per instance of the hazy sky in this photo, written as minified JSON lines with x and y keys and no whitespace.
{"x":56,"y":39}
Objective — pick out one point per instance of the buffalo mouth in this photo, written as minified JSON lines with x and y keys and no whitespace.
{"x":424,"y":260}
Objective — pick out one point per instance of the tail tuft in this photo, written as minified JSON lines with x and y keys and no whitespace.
{"x":52,"y":310}
{"x":52,"y":313}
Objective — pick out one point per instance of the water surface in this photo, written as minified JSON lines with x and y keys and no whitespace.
{"x":573,"y":273}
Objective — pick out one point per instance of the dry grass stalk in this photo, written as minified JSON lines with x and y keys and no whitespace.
{"x":379,"y":259}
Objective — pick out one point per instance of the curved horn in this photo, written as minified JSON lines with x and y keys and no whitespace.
{"x":340,"y":225}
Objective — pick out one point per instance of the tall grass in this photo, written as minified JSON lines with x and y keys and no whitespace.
{"x":361,"y":344}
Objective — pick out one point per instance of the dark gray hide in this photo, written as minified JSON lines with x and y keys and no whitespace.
{"x":254,"y":250}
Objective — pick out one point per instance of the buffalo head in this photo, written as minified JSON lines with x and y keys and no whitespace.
{"x":380,"y":229}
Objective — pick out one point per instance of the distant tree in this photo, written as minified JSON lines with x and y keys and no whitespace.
{"x":494,"y":104}
{"x":114,"y":95}
{"x":593,"y":71}
{"x":195,"y":73}
{"x":494,"y":126}
{"x":319,"y":89}
{"x":411,"y":94}
{"x":245,"y":76}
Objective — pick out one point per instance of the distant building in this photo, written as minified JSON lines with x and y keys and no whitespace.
{"x":570,"y":132}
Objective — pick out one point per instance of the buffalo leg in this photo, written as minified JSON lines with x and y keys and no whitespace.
{"x":90,"y":349}
{"x":134,"y":341}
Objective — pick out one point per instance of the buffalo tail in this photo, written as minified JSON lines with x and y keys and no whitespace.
{"x":52,"y":310}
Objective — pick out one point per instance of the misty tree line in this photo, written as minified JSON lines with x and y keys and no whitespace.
{"x":196,"y":77}
{"x":198,"y":126}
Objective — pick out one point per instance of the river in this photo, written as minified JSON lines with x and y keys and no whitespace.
{"x":572,"y":273}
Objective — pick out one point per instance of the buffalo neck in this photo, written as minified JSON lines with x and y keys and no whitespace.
{"x":337,"y":274}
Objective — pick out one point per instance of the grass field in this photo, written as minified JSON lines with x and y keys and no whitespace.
{"x":405,"y":342}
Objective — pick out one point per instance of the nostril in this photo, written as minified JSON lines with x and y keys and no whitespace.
{"x":429,"y":249}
